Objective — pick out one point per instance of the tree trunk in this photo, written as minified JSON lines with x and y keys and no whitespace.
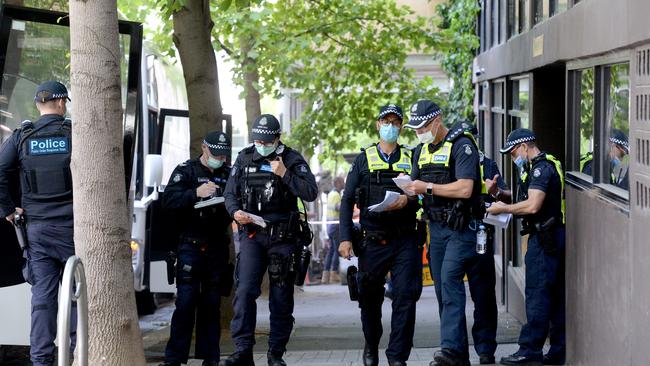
{"x":100,"y":203}
{"x":251,"y":78}
{"x":192,"y":37}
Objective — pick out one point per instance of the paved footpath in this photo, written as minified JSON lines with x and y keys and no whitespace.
{"x":328,"y":330}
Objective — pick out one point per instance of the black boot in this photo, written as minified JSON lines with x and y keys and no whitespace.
{"x":486,"y":359}
{"x":238,"y":359}
{"x":396,"y":363}
{"x":275,"y":359}
{"x":370,"y":356}
{"x":518,"y":360}
{"x":446,"y":357}
{"x":551,"y":360}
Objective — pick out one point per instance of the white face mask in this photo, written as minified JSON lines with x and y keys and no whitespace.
{"x":425,"y":138}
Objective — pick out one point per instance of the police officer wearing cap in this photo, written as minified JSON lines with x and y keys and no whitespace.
{"x":388,"y":243}
{"x":540,"y":202}
{"x":619,"y":150}
{"x":40,"y":151}
{"x":267,"y":180}
{"x":446,"y":172}
{"x":203,"y":270}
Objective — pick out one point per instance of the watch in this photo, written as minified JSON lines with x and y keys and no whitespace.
{"x":496,"y":195}
{"x":430,"y":189}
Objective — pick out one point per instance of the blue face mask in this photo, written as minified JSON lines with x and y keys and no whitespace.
{"x":265,"y":150}
{"x":214,"y":163}
{"x":615,"y":162}
{"x":520,"y":162}
{"x":388,"y":133}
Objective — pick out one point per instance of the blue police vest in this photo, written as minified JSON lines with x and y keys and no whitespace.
{"x":45,"y":160}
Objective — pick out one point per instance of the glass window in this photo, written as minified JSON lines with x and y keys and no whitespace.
{"x":617,"y":124}
{"x":513,"y":17}
{"x":542,"y":10}
{"x":497,"y":101}
{"x":175,"y":144}
{"x":524,"y":15}
{"x":494,"y":22}
{"x":586,"y":120}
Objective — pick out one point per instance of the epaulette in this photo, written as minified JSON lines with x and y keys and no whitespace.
{"x":26,"y":125}
{"x":185,"y":163}
{"x":368,"y":146}
{"x":408,"y":147}
{"x":455,"y":134}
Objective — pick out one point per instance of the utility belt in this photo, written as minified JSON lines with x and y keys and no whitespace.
{"x":364,"y":238}
{"x":294,"y":229}
{"x":545,"y":232}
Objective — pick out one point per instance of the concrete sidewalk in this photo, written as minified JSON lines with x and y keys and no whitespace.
{"x":328,"y":330}
{"x":419,"y":357}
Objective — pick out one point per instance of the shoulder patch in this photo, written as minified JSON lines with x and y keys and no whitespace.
{"x":233,"y":171}
{"x":303,"y":168}
{"x":468,"y":149}
{"x":177,"y":177}
{"x":537,"y":172}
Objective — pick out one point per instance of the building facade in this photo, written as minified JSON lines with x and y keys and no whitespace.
{"x":578,"y":74}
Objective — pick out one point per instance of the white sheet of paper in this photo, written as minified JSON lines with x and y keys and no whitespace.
{"x":210,"y":202}
{"x":389,"y":199}
{"x":257,"y":220}
{"x":402,"y":181}
{"x":501,"y":221}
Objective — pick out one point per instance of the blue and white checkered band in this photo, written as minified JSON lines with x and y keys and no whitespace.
{"x":422,"y":119}
{"x":218,"y":146}
{"x":265,"y":131}
{"x":619,"y":142}
{"x":59,"y":96}
{"x":389,"y":111}
{"x":518,"y":141}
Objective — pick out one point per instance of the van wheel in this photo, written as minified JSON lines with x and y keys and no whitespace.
{"x":145,"y":302}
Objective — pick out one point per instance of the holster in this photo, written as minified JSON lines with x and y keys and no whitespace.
{"x":170,"y":259}
{"x":300,"y":261}
{"x":545,"y":233}
{"x":353,"y":284}
{"x":21,"y":230}
{"x":457,"y":216}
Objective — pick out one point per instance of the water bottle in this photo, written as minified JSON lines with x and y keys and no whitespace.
{"x":481,"y":240}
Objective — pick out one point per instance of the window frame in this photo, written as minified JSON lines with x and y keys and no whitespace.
{"x":577,"y":179}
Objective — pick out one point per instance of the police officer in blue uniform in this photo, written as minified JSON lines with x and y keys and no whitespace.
{"x":203,"y":270}
{"x":619,"y":149}
{"x":389,"y":241}
{"x":446,"y":172}
{"x":540,"y":201}
{"x":267,"y":180}
{"x":40,"y":152}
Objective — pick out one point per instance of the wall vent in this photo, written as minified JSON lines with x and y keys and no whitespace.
{"x":643,"y":107}
{"x":643,"y":62}
{"x":643,"y":151}
{"x":642,"y":196}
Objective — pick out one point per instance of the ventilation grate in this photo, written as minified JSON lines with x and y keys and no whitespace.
{"x":643,"y":62}
{"x":643,"y":151}
{"x":642,"y":196}
{"x":643,"y":107}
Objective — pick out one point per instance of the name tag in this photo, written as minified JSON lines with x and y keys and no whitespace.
{"x":403,"y":166}
{"x":49,"y":145}
{"x":266,"y":168}
{"x":440,"y":158}
{"x":251,"y":169}
{"x":203,"y":180}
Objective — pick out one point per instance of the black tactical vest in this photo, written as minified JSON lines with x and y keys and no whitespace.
{"x":45,"y":160}
{"x":262,"y":192}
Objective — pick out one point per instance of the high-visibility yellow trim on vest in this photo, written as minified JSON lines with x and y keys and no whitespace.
{"x":375,"y":162}
{"x":442,"y":156}
{"x":560,"y":172}
{"x":585,"y":159}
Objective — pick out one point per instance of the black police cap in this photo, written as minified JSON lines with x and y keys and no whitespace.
{"x":388,"y":109}
{"x":265,"y":128}
{"x":421,"y":112}
{"x":619,"y":138}
{"x":218,"y":143}
{"x":50,"y":90}
{"x":517,"y":137}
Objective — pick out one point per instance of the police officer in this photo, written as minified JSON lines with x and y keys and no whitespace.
{"x":267,"y":180}
{"x":203,"y":271}
{"x":388,"y":243}
{"x":40,"y":151}
{"x":446,"y":172}
{"x":619,"y":149}
{"x":540,"y":201}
